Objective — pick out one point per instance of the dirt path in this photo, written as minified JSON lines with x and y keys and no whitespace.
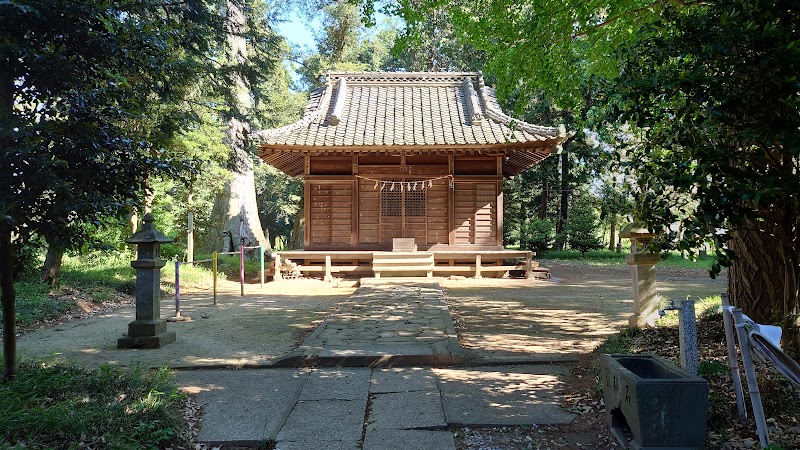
{"x":568,"y":314}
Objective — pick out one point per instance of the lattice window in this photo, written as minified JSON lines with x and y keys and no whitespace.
{"x":407,"y":197}
{"x":392,"y":199}
{"x":415,"y":202}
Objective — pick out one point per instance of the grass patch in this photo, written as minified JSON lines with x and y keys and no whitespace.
{"x":229,"y":265}
{"x":99,"y":270}
{"x":199,"y":274}
{"x":58,"y":406}
{"x":703,"y":308}
{"x":98,"y":277}
{"x":610,"y":258}
{"x":622,"y":342}
{"x":34,"y":303}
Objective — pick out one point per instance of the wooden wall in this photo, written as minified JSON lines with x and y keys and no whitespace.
{"x":346,"y":211}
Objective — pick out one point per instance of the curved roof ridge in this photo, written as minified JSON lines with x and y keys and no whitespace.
{"x":313,"y":109}
{"x":494,"y":111}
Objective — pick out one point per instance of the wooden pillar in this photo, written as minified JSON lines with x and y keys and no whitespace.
{"x":499,"y":215}
{"x":277,"y":276}
{"x":451,"y":209}
{"x":478,"y":275}
{"x":529,"y":265}
{"x":328,"y":276}
{"x":307,"y":213}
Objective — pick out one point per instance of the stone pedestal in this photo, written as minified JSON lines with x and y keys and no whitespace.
{"x":643,"y":274}
{"x":645,"y":297}
{"x":149,"y":330}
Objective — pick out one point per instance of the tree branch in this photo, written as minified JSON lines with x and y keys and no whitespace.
{"x":611,"y":20}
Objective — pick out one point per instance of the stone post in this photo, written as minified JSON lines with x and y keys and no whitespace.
{"x":687,"y":326}
{"x":149,"y":330}
{"x":643,"y":275}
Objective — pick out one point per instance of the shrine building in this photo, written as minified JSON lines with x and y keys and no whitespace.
{"x":403,"y":174}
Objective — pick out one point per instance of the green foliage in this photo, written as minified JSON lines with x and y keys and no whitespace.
{"x":57,"y":406}
{"x":726,"y":84}
{"x":98,"y":276}
{"x":539,"y":235}
{"x":582,"y":226}
{"x":559,"y":46}
{"x":80,"y":130}
{"x":343,"y":44}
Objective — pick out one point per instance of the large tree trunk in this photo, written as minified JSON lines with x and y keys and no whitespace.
{"x":235,"y":214}
{"x":564,"y":213}
{"x":51,"y":271}
{"x":612,"y":238}
{"x":298,"y":229}
{"x":545,"y":200}
{"x":760,"y":281}
{"x":8,"y":299}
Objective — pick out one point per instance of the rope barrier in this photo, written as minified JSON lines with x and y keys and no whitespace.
{"x":213,"y":261}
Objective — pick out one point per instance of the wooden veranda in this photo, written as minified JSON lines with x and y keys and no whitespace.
{"x":474,"y":263}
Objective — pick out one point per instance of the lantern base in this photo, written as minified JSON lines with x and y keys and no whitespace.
{"x":156,"y":341}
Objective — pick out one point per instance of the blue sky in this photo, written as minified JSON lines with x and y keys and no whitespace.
{"x":297,"y":31}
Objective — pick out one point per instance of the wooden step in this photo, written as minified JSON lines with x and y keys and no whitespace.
{"x":402,"y":264}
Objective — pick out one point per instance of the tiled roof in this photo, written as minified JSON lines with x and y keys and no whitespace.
{"x":410,"y":110}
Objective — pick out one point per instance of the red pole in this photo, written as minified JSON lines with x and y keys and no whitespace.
{"x":241,"y":267}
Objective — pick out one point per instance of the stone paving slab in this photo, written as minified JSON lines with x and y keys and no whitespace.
{"x":406,"y":411}
{"x":402,"y":380}
{"x":409,"y":440}
{"x":324,"y":423}
{"x":336,"y":384}
{"x":384,"y":324}
{"x":244,"y":407}
{"x":511,"y":395}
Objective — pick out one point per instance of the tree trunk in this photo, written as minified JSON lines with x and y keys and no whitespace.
{"x":545,"y":200}
{"x":51,"y":271}
{"x":298,"y":229}
{"x":791,"y":304}
{"x":190,"y":222}
{"x":234,"y":217}
{"x":8,"y":299}
{"x":756,"y":278}
{"x":763,"y":278}
{"x":564,"y":213}
{"x":612,"y":239}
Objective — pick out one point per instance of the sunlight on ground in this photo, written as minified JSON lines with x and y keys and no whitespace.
{"x":569,"y":314}
{"x":497,"y":383}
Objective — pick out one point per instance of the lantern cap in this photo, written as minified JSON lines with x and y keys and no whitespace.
{"x":148,"y":234}
{"x":636,"y":230}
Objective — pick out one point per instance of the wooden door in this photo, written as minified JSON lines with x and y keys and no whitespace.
{"x":475,"y":213}
{"x":331,"y":213}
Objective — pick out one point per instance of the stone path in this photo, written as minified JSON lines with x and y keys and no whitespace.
{"x":382,"y":393}
{"x":388,"y":408}
{"x":384,"y":324}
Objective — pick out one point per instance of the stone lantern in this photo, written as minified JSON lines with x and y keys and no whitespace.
{"x":149,"y":330}
{"x":643,"y":274}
